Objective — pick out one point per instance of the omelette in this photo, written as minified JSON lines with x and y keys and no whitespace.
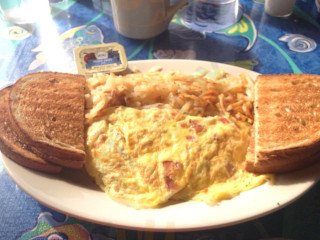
{"x":147,"y":156}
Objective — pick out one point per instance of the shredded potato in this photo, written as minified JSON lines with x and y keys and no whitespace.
{"x":197,"y":94}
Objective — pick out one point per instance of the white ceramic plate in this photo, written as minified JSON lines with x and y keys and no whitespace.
{"x":73,"y":193}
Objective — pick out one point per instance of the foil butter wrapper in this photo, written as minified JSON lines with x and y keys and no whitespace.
{"x":102,"y":58}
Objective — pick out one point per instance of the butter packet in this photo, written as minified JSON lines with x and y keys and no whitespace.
{"x":103,"y":58}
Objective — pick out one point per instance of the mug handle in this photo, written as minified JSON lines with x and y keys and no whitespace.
{"x":174,"y":8}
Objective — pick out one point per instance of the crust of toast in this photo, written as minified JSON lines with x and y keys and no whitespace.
{"x":287,"y":122}
{"x":276,"y":162}
{"x":249,"y":160}
{"x":47,"y":112}
{"x":12,"y":147}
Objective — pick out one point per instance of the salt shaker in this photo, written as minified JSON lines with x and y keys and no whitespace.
{"x":279,"y":8}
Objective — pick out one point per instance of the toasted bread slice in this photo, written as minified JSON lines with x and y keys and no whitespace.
{"x":47,"y":112}
{"x":13,"y":147}
{"x":287,"y":122}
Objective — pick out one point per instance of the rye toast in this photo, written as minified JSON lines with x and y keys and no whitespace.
{"x":13,"y":147}
{"x":47,"y":112}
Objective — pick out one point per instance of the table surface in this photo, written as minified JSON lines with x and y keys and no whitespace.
{"x":258,"y":42}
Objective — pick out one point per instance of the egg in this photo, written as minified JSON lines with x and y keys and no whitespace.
{"x":156,"y":138}
{"x":145,"y":157}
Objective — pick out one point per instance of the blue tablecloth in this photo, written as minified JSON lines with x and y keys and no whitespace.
{"x":258,"y":42}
